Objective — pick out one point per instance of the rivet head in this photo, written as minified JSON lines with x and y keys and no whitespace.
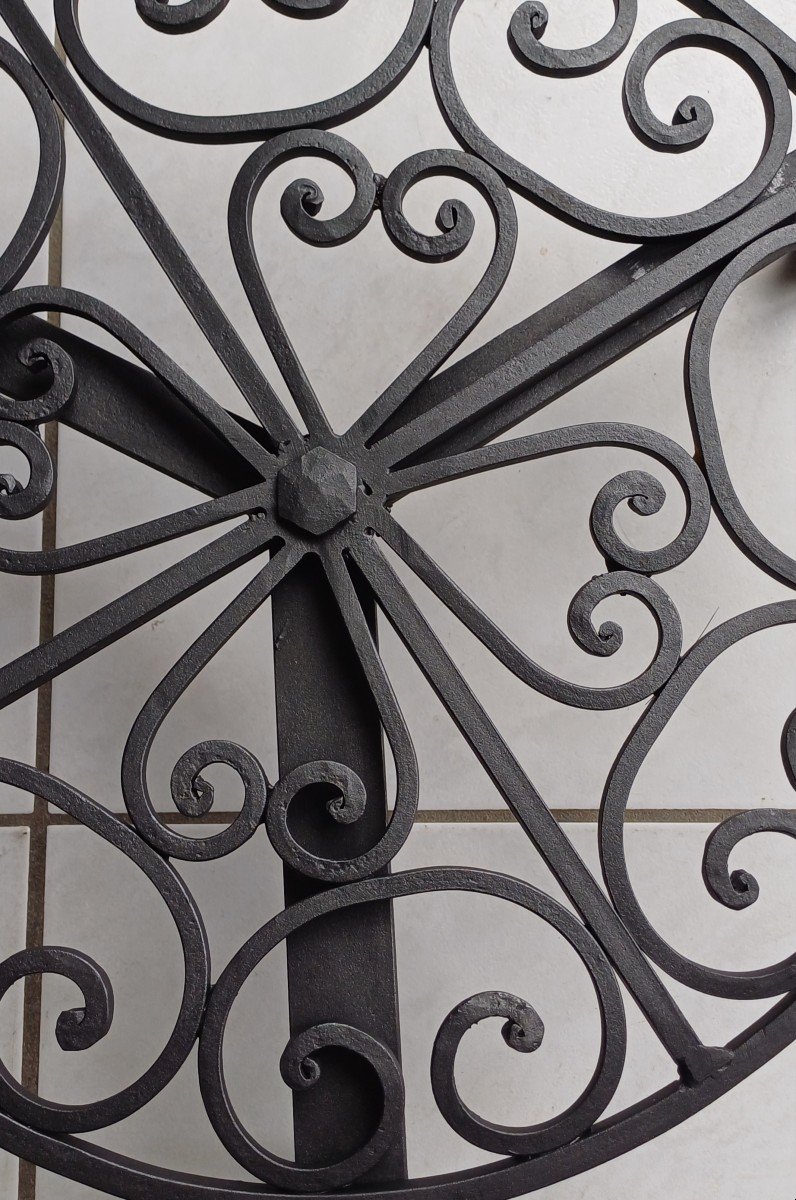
{"x":317,"y":491}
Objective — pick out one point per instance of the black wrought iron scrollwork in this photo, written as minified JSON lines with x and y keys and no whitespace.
{"x":17,"y":429}
{"x":80,"y":1029}
{"x":193,"y":795}
{"x":725,"y":497}
{"x":524,"y":1031}
{"x":318,"y":515}
{"x":691,"y":123}
{"x":43,"y":205}
{"x":529,"y":26}
{"x":299,"y":1066}
{"x":550,"y":1135}
{"x":25,"y":500}
{"x":243,"y":127}
{"x":40,"y":356}
{"x":734,"y":891}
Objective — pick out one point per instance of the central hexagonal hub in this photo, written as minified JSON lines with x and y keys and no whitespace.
{"x":317,"y":491}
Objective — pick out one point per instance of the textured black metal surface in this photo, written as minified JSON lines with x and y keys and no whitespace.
{"x":315,"y":512}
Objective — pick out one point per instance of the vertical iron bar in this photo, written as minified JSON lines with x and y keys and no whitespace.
{"x":341,"y":967}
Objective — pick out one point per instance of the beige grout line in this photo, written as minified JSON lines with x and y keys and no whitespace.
{"x":37,"y":859}
{"x":443,"y":816}
{"x":637,"y":816}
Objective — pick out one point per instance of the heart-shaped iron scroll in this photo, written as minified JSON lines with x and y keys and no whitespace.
{"x":314,"y":512}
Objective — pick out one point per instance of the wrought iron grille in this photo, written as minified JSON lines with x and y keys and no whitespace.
{"x":316,"y":510}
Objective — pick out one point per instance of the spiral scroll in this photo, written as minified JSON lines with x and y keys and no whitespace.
{"x":79,"y":1029}
{"x":529,"y":26}
{"x":554,"y":1133}
{"x":735,"y":891}
{"x":689,"y":127}
{"x":192,"y":795}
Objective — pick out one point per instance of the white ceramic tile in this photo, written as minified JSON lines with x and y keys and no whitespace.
{"x":19,"y":596}
{"x":13,"y":892}
{"x":449,"y":946}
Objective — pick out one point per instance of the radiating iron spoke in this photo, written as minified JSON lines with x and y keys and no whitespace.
{"x":520,"y":664}
{"x":127,"y":541}
{"x":135,"y":608}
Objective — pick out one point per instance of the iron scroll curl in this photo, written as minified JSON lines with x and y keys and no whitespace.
{"x":690,"y":125}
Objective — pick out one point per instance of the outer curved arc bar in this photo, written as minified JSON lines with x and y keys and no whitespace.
{"x":190,"y":927}
{"x":731,"y":511}
{"x":128,"y":541}
{"x":622,"y":777}
{"x":240,"y":212}
{"x":39,"y":215}
{"x":660,"y":1010}
{"x":92,"y":634}
{"x":162,"y":700}
{"x":248,"y":126}
{"x":505,"y":650}
{"x":580,"y":213}
{"x":88,"y":1163}
{"x":27,"y":301}
{"x":390,"y":715}
{"x":150,"y":223}
{"x":453,"y":333}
